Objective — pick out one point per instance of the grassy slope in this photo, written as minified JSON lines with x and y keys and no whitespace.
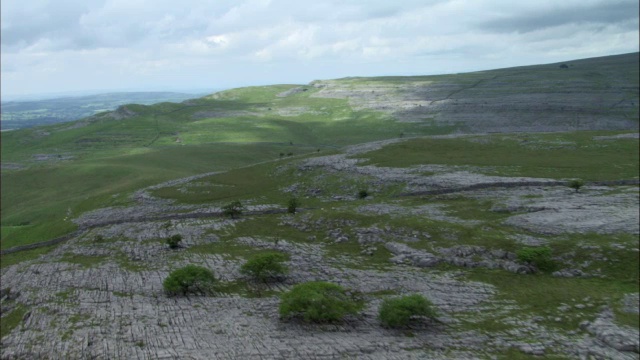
{"x":112,"y":158}
{"x":558,"y":155}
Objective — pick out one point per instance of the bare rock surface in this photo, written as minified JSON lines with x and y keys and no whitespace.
{"x":611,"y":340}
{"x":561,"y":210}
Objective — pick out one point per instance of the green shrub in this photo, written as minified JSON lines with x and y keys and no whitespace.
{"x":174,"y":241}
{"x":538,"y":256}
{"x":363,"y":193}
{"x":264,"y":267}
{"x":575,"y":184}
{"x":189,"y":279}
{"x":398,"y":312}
{"x":319,"y":302}
{"x":292,"y":205}
{"x":233,"y":209}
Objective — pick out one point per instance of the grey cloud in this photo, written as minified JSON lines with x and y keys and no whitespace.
{"x":623,"y":12}
{"x":26,"y":24}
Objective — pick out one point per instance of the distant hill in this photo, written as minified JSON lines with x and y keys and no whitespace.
{"x":22,"y":114}
{"x":590,"y":94}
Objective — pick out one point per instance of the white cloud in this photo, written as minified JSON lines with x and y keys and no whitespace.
{"x":73,"y":44}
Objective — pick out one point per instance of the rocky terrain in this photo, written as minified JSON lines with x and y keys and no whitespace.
{"x":587,"y":95}
{"x":99,"y":295}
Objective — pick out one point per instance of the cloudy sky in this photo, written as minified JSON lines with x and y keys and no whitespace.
{"x":54,"y":46}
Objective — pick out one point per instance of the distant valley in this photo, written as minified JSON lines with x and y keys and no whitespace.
{"x":23,"y":114}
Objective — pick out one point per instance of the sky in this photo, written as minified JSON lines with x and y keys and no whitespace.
{"x":62,"y":46}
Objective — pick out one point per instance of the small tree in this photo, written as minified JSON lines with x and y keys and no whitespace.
{"x":265,"y":267}
{"x":174,"y":241}
{"x":191,"y":278}
{"x":292,"y":205}
{"x":363,"y":193}
{"x":233,"y":209}
{"x":540,"y":257}
{"x":319,"y":301}
{"x":576,"y":184}
{"x":398,"y":312}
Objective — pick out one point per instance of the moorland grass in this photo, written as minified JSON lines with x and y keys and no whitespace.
{"x":557,"y":155}
{"x":38,"y":203}
{"x":542,"y":294}
{"x":7,"y":260}
{"x":12,"y":320}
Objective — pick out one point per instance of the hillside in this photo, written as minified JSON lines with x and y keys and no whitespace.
{"x":590,"y":94}
{"x":431,"y":185}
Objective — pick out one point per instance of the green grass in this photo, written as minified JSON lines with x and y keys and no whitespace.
{"x":12,"y":320}
{"x":7,"y":260}
{"x":558,"y":155}
{"x":351,"y":250}
{"x":83,"y":260}
{"x":36,"y":201}
{"x":541,"y":295}
{"x":228,"y":249}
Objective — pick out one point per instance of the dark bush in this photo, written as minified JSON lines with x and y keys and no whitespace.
{"x":319,"y":302}
{"x":189,"y":279}
{"x":265,"y":267}
{"x":363,"y":193}
{"x":540,"y":257}
{"x":174,"y":241}
{"x":292,"y":205}
{"x":399,"y":311}
{"x":575,"y":184}
{"x":233,"y":209}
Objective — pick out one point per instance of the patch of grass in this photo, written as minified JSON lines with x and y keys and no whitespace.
{"x":626,"y":319}
{"x":64,"y":295}
{"x":619,"y":264}
{"x":351,"y":250}
{"x":238,"y":184}
{"x":492,"y":325}
{"x":542,"y":295}
{"x":469,"y":209}
{"x":383,"y":293}
{"x":226,"y":248}
{"x":76,"y":318}
{"x":87,"y":184}
{"x":85,"y":260}
{"x":270,"y":228}
{"x":245,"y":289}
{"x":531,"y":155}
{"x":18,"y":257}
{"x":516,"y":354}
{"x":11,"y":320}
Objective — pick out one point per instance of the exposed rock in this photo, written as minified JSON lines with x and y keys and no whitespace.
{"x":122,"y":112}
{"x":11,"y":166}
{"x":568,"y":273}
{"x":622,"y":339}
{"x":631,"y":303}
